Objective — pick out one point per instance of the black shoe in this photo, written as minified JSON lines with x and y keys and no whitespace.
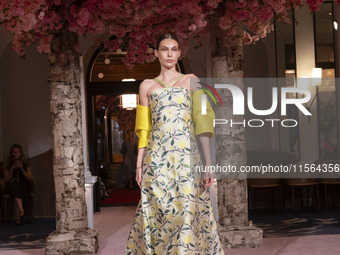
{"x":18,"y":223}
{"x":22,"y":216}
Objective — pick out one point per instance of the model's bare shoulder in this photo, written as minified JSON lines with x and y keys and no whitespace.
{"x":191,"y":75}
{"x":145,"y":84}
{"x":193,"y":82}
{"x":144,"y":87}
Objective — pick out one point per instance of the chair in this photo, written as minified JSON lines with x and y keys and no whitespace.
{"x":263,"y":183}
{"x":330,"y":182}
{"x":7,"y":202}
{"x":302,"y":182}
{"x":329,"y":179}
{"x":267,"y":180}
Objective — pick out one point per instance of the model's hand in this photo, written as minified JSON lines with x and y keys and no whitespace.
{"x":209,"y":178}
{"x":139,"y":176}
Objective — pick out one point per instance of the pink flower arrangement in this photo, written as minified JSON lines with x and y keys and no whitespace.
{"x":137,"y":24}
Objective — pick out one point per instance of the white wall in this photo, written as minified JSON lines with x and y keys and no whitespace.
{"x":25,"y":115}
{"x":260,"y":62}
{"x":305,"y":62}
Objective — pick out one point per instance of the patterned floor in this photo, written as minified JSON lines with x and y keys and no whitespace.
{"x":301,"y":223}
{"x":29,"y":235}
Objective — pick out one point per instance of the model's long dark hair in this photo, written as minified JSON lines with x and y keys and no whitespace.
{"x":166,"y":36}
{"x":10,"y":158}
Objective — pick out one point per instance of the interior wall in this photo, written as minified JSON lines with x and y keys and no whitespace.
{"x":25,"y":101}
{"x":259,"y":62}
{"x":25,"y":117}
{"x":305,"y":62}
{"x":337,"y":57}
{"x":4,"y":41}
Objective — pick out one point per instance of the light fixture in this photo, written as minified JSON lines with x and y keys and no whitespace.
{"x":127,"y":80}
{"x":128,"y":101}
{"x":107,"y":60}
{"x":100,"y":75}
{"x":317,"y":75}
{"x":335,"y":24}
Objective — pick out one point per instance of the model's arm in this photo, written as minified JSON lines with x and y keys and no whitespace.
{"x":203,"y":124}
{"x":204,"y":139}
{"x":143,"y":136}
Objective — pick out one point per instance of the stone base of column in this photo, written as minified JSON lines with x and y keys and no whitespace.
{"x":80,"y":241}
{"x":240,"y":237}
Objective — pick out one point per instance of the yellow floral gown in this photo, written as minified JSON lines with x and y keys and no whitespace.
{"x":174,"y":215}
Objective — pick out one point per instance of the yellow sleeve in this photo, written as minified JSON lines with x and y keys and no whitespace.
{"x":202,"y":123}
{"x":143,"y":125}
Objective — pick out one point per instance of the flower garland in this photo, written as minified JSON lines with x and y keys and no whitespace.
{"x":137,"y":24}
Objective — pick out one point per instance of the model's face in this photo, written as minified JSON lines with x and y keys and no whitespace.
{"x":168,"y":52}
{"x":16,"y":153}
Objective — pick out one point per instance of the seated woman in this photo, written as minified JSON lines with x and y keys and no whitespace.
{"x":17,"y":177}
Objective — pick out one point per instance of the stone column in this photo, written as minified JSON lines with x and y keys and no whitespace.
{"x":72,"y":234}
{"x":227,"y":62}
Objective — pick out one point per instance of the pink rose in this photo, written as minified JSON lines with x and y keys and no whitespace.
{"x":247,"y":38}
{"x":41,"y":15}
{"x":83,"y":17}
{"x":192,"y":27}
{"x":287,"y":20}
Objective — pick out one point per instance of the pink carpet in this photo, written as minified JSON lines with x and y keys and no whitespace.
{"x":113,"y":237}
{"x":113,"y":225}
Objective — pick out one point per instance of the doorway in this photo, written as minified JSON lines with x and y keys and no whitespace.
{"x":107,"y":80}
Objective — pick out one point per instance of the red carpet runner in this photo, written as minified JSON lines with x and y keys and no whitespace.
{"x":122,"y":196}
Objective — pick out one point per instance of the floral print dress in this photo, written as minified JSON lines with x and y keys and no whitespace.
{"x":174,"y":215}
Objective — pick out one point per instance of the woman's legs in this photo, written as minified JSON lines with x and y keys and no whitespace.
{"x":19,"y":210}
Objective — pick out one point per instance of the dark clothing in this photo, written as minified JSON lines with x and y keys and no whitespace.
{"x":22,"y":189}
{"x":103,"y":174}
{"x":128,"y":166}
{"x":127,"y":169}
